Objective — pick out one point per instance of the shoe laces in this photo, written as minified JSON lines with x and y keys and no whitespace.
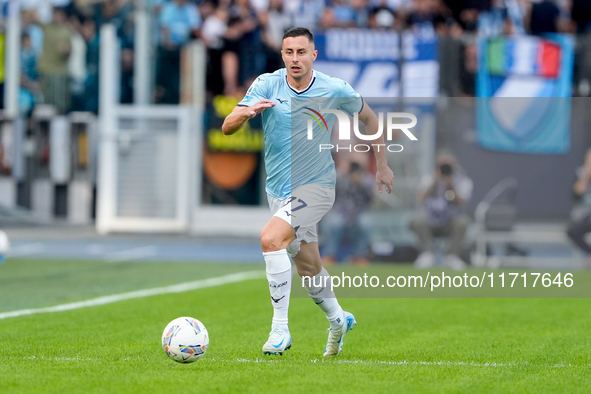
{"x":334,"y":335}
{"x":276,"y":335}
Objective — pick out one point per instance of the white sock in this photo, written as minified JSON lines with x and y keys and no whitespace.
{"x":278,"y":267}
{"x":319,"y":290}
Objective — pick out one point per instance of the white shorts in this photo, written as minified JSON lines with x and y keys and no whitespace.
{"x":302,"y":211}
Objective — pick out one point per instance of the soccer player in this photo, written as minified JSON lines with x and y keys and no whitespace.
{"x":301,"y":180}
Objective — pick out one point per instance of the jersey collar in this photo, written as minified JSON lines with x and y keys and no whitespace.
{"x":304,"y":90}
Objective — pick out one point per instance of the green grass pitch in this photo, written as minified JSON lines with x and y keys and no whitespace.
{"x":400,"y":345}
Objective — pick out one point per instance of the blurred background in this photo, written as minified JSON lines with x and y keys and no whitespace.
{"x":112,"y":111}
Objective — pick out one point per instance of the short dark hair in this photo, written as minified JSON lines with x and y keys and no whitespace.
{"x":297,"y":32}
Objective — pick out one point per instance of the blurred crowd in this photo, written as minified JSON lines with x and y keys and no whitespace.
{"x":60,"y":52}
{"x":60,"y":39}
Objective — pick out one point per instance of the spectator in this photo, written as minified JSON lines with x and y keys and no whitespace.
{"x":126,"y":91}
{"x":260,"y":5}
{"x":425,"y":14}
{"x":395,"y":5}
{"x":467,"y":12}
{"x":505,"y":17}
{"x":361,"y":10}
{"x":77,"y":64}
{"x":33,"y":30}
{"x":306,"y":13}
{"x":223,"y":49}
{"x":339,"y":14}
{"x":30,"y":90}
{"x":244,"y":21}
{"x":83,"y":8}
{"x":442,"y":200}
{"x":90,"y":34}
{"x":179,"y":21}
{"x":154,"y":9}
{"x":118,"y":13}
{"x":468,"y":70}
{"x":28,"y":58}
{"x":275,"y":22}
{"x":53,"y":64}
{"x":580,"y":221}
{"x":544,"y":17}
{"x":215,"y":25}
{"x":381,"y":16}
{"x":349,"y":216}
{"x":43,"y":9}
{"x":581,"y":15}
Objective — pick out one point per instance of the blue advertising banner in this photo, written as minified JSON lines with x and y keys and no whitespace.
{"x":371,"y":61}
{"x":523,"y":89}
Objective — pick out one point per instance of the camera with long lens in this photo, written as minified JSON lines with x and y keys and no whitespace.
{"x":446,"y":169}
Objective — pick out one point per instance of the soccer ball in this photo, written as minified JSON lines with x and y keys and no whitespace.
{"x":185,"y":340}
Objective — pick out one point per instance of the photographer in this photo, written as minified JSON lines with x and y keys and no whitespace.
{"x":442,"y":200}
{"x":580,"y":220}
{"x":349,"y":216}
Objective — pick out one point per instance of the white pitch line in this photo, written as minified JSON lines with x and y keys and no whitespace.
{"x":363,"y":362}
{"x":178,"y":288}
{"x":444,"y":363}
{"x":404,"y":362}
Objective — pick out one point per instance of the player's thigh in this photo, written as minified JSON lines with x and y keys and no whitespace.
{"x":307,"y":205}
{"x":302,"y":211}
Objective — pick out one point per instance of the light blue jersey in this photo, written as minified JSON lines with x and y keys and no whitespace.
{"x":291,"y":160}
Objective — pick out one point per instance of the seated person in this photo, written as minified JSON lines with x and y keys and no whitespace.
{"x":580,"y":223}
{"x":349,"y":216}
{"x":442,"y":198}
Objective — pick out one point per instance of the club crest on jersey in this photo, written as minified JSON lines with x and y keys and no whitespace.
{"x":249,"y":91}
{"x":247,"y":96}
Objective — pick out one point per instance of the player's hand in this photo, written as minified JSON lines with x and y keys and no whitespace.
{"x":260,"y":107}
{"x":385,"y":176}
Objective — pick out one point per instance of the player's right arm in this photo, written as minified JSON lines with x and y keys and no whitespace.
{"x":384,"y":175}
{"x":240,"y":115}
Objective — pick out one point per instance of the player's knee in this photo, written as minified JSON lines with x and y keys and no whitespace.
{"x":272,"y":242}
{"x":309,"y":271}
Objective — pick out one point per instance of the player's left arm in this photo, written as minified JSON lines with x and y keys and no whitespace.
{"x":384,"y":175}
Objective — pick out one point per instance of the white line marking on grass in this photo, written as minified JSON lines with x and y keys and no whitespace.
{"x":444,"y":363}
{"x":62,"y":358}
{"x":178,"y":288}
{"x":131,"y":254}
{"x":404,"y":362}
{"x":315,"y":361}
{"x":256,"y":360}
